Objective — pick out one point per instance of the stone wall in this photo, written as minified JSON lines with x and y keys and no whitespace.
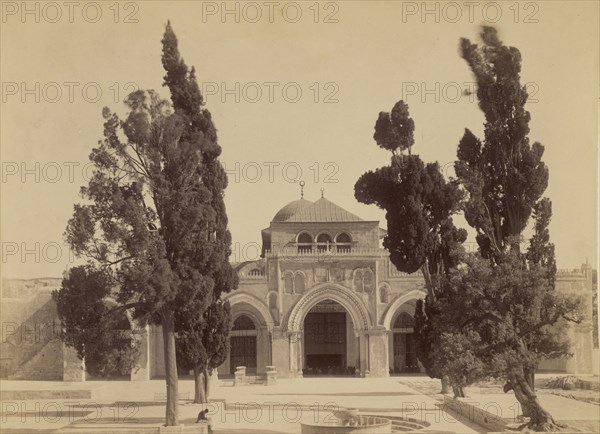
{"x":579,"y":283}
{"x":31,"y":348}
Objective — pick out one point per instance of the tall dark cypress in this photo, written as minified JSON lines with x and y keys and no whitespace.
{"x":204,"y":316}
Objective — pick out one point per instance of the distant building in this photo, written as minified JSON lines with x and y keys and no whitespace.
{"x":324,"y":300}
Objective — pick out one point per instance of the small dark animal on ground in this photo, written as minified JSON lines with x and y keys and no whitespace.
{"x":202,"y":415}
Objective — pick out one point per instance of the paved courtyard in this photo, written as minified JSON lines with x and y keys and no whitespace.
{"x":254,"y":408}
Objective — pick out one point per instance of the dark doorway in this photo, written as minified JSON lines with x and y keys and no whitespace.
{"x":404,"y":345}
{"x":243,"y":353}
{"x":243,"y":345}
{"x":325,"y":342}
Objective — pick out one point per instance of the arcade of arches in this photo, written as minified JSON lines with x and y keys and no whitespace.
{"x":328,"y":340}
{"x":326,"y":334}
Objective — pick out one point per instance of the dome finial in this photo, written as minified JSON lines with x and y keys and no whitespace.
{"x":302,"y":184}
{"x":322,"y":191}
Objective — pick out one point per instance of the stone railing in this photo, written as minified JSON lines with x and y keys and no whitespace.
{"x":252,"y":275}
{"x":565,"y":272}
{"x":294,"y":253}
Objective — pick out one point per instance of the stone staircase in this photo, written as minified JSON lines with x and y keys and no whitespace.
{"x":35,"y":344}
{"x":45,"y":365}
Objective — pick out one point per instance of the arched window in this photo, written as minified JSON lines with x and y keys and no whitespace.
{"x":242,"y":322}
{"x":404,"y":320}
{"x":364,"y":280}
{"x":289,"y":283}
{"x":299,"y":283}
{"x":324,"y":243}
{"x":344,"y":243}
{"x":304,"y":242}
{"x":368,"y":280}
{"x":383,"y":295}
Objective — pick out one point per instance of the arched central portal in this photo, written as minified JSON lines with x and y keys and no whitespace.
{"x":330,"y":345}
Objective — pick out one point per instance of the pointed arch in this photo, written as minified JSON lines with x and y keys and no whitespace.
{"x":330,"y":291}
{"x":260,"y":310}
{"x":397,"y":303}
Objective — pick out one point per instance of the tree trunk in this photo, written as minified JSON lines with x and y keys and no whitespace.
{"x":459,"y":392}
{"x":206,"y":384}
{"x":540,"y":418}
{"x":168,"y":329}
{"x":529,"y":378}
{"x":445,"y":385}
{"x":199,"y":385}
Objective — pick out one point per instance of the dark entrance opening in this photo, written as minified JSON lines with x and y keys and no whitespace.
{"x":325,"y":340}
{"x":324,"y":361}
{"x":243,"y":345}
{"x":404,"y":346}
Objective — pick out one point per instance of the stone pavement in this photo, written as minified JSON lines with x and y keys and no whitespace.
{"x":576,"y":414}
{"x":249,"y":409}
{"x":254,"y":408}
{"x":580,"y":415}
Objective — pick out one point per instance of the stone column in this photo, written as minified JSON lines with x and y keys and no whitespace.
{"x":141,"y":372}
{"x":270,"y":359}
{"x":300,"y":349}
{"x":363,"y":350}
{"x":281,"y":352}
{"x":357,"y":366}
{"x":261,"y":350}
{"x":378,"y":350}
{"x":295,"y":349}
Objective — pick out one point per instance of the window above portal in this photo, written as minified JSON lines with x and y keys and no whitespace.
{"x":324,"y":242}
{"x":304,"y":242}
{"x":343,"y":242}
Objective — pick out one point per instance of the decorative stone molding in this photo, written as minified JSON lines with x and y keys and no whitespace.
{"x":404,"y":298}
{"x":354,"y":305}
{"x":241,"y":297}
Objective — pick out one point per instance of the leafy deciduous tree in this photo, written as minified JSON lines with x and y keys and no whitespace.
{"x":101,"y":335}
{"x":498,"y":320}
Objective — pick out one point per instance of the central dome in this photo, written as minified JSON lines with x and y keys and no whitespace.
{"x":291,"y":209}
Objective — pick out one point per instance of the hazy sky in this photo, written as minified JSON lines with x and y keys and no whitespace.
{"x":291,"y":87}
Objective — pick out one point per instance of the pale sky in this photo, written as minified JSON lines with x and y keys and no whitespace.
{"x":360,"y":56}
